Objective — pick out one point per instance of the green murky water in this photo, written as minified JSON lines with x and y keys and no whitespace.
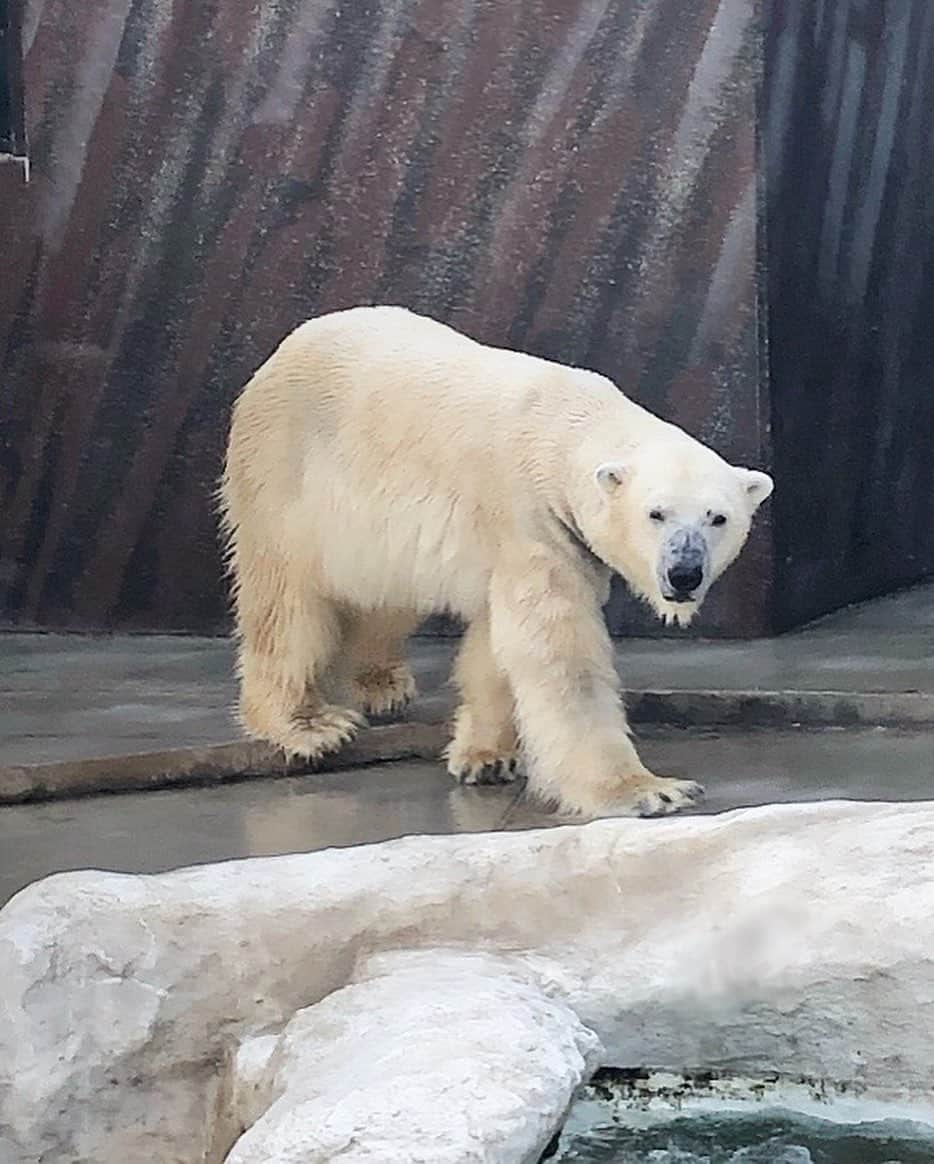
{"x":760,"y":1137}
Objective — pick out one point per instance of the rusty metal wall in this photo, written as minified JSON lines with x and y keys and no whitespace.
{"x":573,"y":177}
{"x":849,"y":163}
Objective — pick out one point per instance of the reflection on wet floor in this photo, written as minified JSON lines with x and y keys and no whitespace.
{"x":153,"y":831}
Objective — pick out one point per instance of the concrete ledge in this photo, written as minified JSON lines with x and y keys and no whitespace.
{"x":212,"y":764}
{"x":424,"y":734}
{"x":781,"y":708}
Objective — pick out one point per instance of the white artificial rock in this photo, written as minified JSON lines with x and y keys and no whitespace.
{"x":397,"y":1068}
{"x":790,"y":938}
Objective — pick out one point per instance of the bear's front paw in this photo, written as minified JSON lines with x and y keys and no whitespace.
{"x":482,"y":765}
{"x":384,"y":690}
{"x":656,"y":796}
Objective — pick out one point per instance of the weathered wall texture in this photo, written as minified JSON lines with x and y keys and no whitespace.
{"x":849,"y":162}
{"x":573,"y":177}
{"x":12,"y":126}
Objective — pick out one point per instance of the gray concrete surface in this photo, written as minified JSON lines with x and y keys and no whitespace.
{"x":66,"y":698}
{"x":152,"y":831}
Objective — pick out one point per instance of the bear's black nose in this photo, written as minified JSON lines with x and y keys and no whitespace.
{"x":685,"y":580}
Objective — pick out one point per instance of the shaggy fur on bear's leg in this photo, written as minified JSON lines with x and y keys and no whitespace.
{"x":382,"y":682}
{"x":288,"y":638}
{"x":549,"y":634}
{"x":484,"y":748}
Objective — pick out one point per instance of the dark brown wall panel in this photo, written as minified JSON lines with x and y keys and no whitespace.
{"x":12,"y":120}
{"x":849,"y":162}
{"x":573,"y":177}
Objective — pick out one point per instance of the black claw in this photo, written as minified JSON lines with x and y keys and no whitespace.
{"x":495,"y":773}
{"x":664,"y":798}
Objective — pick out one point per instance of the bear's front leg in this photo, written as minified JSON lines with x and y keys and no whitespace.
{"x":549,"y":636}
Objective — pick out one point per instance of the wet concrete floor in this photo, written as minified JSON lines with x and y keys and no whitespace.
{"x":67,"y":697}
{"x":154,"y":831}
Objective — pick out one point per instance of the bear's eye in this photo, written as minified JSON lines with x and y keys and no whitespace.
{"x":657,"y":515}
{"x":718,"y":519}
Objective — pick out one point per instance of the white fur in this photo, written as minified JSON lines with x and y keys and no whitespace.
{"x":382,"y":467}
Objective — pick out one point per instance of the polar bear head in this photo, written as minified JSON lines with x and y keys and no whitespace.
{"x":670,"y":517}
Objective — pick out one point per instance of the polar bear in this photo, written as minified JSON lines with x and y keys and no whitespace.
{"x":382,"y":466}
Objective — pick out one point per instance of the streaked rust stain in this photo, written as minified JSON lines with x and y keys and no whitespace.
{"x":558,"y":175}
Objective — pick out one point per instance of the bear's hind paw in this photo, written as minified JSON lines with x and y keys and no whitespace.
{"x":313,"y":733}
{"x":382,"y":691}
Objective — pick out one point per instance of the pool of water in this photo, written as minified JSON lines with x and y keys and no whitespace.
{"x":774,"y":1137}
{"x":737,"y":1122}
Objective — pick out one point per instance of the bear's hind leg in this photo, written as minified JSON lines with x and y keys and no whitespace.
{"x":484,"y":748}
{"x":288,"y":639}
{"x":381,"y":681}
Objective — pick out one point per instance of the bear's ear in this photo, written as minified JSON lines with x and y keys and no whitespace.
{"x":610,"y":476}
{"x":758,"y":486}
